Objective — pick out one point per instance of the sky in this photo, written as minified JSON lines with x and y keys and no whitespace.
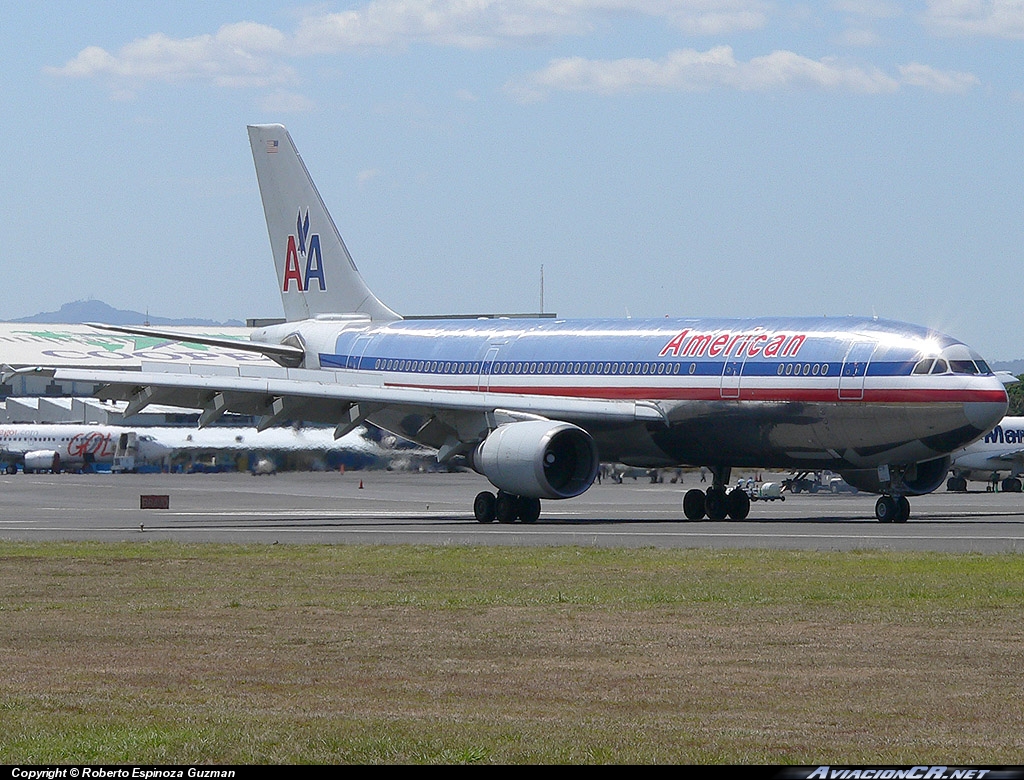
{"x":597,"y":158}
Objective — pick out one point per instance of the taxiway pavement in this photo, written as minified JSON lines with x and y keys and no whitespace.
{"x":379,"y":507}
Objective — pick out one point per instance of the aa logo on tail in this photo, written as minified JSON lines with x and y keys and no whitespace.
{"x":302,"y":243}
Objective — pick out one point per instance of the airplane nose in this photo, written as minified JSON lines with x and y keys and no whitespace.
{"x":985,"y":415}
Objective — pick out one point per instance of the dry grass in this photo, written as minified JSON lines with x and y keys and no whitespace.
{"x":168,"y":653}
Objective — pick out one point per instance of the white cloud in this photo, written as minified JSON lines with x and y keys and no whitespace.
{"x":245,"y":54}
{"x":699,"y":17}
{"x":253,"y":55}
{"x":467,"y":24}
{"x":481,"y":23}
{"x":687,"y":70}
{"x":917,"y":75}
{"x":987,"y":18}
{"x":248,"y":54}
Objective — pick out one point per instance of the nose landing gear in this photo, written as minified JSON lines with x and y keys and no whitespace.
{"x":892,"y":509}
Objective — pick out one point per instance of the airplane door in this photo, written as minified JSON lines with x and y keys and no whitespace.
{"x":487,"y":369}
{"x":731,"y":374}
{"x":356,"y":354}
{"x":855,"y":369}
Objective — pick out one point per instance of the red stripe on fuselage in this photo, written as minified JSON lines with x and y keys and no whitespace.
{"x":820,"y":395}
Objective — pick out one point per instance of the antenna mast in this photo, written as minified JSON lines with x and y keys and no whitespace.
{"x":542,"y":288}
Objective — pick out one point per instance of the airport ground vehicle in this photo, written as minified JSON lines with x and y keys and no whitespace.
{"x":762,"y":491}
{"x":818,"y":481}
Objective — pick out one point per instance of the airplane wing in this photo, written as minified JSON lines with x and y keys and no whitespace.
{"x":279,"y":394}
{"x":1010,"y":456}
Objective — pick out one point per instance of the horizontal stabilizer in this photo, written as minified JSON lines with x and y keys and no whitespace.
{"x":283,"y":354}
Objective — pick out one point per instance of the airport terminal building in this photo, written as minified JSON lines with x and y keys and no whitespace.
{"x":38,"y":399}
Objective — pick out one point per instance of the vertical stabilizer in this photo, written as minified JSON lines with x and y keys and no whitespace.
{"x":315,"y":272}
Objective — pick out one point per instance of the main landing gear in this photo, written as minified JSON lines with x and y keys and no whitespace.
{"x":1008,"y":485}
{"x":505,"y":508}
{"x":717,"y":503}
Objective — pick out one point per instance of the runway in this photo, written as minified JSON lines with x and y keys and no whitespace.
{"x":379,"y":507}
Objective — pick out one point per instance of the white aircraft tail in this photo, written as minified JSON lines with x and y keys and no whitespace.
{"x":315,"y":272}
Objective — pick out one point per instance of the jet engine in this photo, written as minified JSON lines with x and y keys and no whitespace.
{"x":538,"y":459}
{"x":42,"y":460}
{"x":918,"y":478}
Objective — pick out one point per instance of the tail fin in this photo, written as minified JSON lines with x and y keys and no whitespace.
{"x":315,"y":272}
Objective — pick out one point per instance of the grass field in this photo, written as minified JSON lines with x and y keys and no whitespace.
{"x":168,"y":653}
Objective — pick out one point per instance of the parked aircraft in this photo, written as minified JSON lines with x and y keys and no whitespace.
{"x":76,"y":447}
{"x":999,"y":453}
{"x":535,"y":405}
{"x":283,"y":446}
{"x":71,"y":447}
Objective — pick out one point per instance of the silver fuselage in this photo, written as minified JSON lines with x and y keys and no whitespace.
{"x":794,"y":393}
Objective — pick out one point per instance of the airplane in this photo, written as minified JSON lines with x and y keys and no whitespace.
{"x":534,"y":405}
{"x":301,"y":447}
{"x":57,"y":447}
{"x":1001,"y":451}
{"x":71,"y":447}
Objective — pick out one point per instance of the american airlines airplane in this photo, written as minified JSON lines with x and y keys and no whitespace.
{"x":1000,"y":452}
{"x":536,"y":405}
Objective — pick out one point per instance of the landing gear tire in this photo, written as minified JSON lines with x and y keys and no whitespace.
{"x":506,"y":508}
{"x":529,"y":509}
{"x":956,"y":485}
{"x":885,"y":509}
{"x":902,"y":510}
{"x":716,"y":504}
{"x":1011,"y":485}
{"x":890,"y":509}
{"x":693,"y":504}
{"x":738,"y":503}
{"x":483,"y":507}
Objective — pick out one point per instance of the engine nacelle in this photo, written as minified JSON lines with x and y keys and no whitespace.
{"x":538,"y":459}
{"x":42,"y":460}
{"x":918,"y":479}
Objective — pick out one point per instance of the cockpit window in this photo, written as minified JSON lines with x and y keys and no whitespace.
{"x":940,"y":367}
{"x":963,"y":366}
{"x":983,"y":367}
{"x":924,"y":366}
